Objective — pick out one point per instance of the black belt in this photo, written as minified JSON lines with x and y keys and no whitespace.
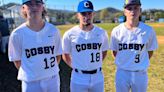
{"x":132,"y":70}
{"x":89,"y":72}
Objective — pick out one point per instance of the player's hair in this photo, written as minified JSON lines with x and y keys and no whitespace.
{"x":1,"y":17}
{"x":140,"y":18}
{"x":24,"y":14}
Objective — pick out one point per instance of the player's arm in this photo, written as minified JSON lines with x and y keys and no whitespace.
{"x":17,"y":64}
{"x":58,"y":58}
{"x":67,"y":59}
{"x":0,"y":37}
{"x":0,"y":34}
{"x":114,"y":53}
{"x":104,"y":54}
{"x":150,"y":54}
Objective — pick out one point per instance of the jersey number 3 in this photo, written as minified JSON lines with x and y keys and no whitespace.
{"x":49,"y":62}
{"x":96,"y":56}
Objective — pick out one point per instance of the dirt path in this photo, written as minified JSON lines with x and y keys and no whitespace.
{"x":160,"y":39}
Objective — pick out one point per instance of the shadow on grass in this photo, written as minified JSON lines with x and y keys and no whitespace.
{"x":8,"y":76}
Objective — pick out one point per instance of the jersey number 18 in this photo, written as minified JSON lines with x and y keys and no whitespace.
{"x":96,"y":56}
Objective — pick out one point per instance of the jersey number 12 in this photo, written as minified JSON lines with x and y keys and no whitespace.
{"x":49,"y":62}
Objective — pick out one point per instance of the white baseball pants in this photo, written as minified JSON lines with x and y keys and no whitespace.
{"x":127,"y":80}
{"x":51,"y":84}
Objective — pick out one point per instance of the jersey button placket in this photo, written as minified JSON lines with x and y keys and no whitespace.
{"x":133,"y":77}
{"x":90,"y":80}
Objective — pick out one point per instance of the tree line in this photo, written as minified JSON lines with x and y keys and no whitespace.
{"x":104,"y":15}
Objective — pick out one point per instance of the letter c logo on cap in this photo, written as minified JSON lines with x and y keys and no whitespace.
{"x":86,"y":4}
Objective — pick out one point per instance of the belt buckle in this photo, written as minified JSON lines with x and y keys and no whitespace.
{"x":139,"y":71}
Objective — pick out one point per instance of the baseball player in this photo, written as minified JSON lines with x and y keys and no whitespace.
{"x":84,"y":47}
{"x":35,"y":48}
{"x":132,"y":44}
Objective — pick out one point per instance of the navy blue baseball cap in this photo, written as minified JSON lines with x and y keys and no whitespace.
{"x":85,"y":6}
{"x":25,"y":1}
{"x":131,"y":2}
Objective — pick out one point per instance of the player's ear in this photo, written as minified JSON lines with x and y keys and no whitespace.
{"x":93,"y":13}
{"x":124,"y":12}
{"x":77,"y":15}
{"x":23,"y":12}
{"x":22,"y":8}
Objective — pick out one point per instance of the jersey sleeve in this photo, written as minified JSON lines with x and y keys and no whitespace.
{"x":113,"y":41}
{"x":58,"y":46}
{"x":66,"y":43}
{"x":15,"y":48}
{"x":106,"y":42}
{"x":152,"y":44}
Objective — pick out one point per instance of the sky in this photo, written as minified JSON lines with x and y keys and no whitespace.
{"x":98,"y":4}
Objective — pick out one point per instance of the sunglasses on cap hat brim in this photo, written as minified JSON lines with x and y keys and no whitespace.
{"x":131,"y":5}
{"x":36,"y":1}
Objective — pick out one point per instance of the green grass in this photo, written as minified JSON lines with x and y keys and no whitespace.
{"x":158,"y":27}
{"x":155,"y":71}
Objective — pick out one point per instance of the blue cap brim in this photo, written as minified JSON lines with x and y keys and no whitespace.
{"x":86,"y":10}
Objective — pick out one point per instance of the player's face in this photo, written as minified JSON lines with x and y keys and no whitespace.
{"x":132,"y":12}
{"x":33,"y":9}
{"x":85,"y":18}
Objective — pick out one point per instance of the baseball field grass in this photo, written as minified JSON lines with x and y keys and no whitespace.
{"x":155,"y":71}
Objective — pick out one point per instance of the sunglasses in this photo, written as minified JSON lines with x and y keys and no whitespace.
{"x":37,"y":3}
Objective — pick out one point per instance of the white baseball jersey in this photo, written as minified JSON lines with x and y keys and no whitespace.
{"x":84,"y":47}
{"x":132,"y":46}
{"x":36,"y":50}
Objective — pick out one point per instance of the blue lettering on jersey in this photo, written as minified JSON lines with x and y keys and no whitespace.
{"x":88,"y":46}
{"x":124,"y":46}
{"x":39,"y":50}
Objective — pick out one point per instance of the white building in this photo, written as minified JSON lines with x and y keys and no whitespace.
{"x":161,"y":20}
{"x":13,"y":12}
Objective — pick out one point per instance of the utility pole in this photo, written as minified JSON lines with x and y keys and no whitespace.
{"x":2,"y":1}
{"x":3,"y":7}
{"x":73,"y":7}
